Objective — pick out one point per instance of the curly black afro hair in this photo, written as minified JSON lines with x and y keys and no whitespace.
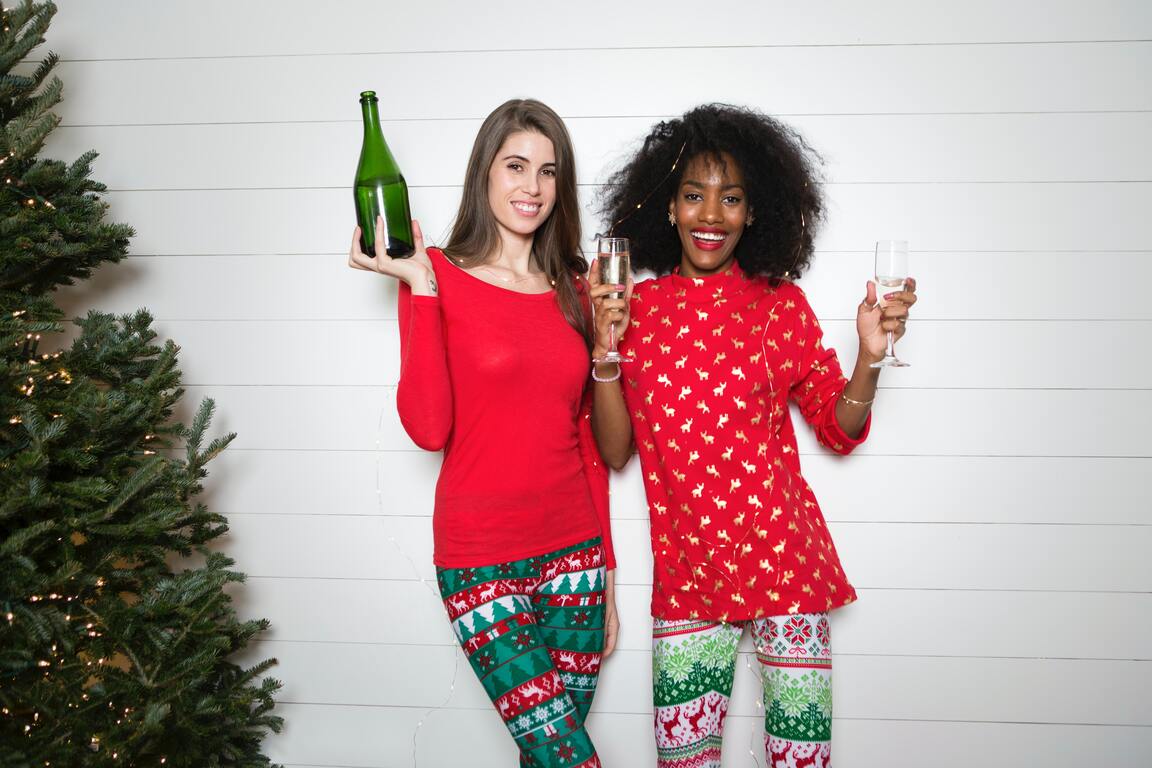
{"x":781,"y":182}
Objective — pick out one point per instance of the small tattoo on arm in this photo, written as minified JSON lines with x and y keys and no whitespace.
{"x":432,"y":285}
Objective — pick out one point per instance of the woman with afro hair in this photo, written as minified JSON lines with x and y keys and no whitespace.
{"x":721,"y":204}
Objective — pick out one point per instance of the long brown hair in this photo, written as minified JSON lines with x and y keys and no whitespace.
{"x":556,"y":244}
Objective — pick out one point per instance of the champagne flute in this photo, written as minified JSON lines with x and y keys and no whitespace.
{"x":891,"y":271}
{"x":613,"y":268}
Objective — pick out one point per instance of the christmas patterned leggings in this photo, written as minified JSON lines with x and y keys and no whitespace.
{"x":693,"y":666}
{"x":533,"y":630}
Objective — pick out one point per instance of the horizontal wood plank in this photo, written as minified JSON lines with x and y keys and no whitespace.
{"x":856,"y":149}
{"x":934,"y":489}
{"x":948,"y":354}
{"x":955,"y":623}
{"x":220,"y":28}
{"x":321,"y":736}
{"x":916,"y":422}
{"x":1036,"y":286}
{"x":836,"y":80}
{"x":875,"y":555}
{"x":982,"y":217}
{"x":888,"y":687}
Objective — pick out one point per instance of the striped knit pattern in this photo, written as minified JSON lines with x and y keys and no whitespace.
{"x":533,"y":631}
{"x":694,"y":663}
{"x":795,"y":655}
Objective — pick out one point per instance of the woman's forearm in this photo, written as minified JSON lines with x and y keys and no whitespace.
{"x":854,"y":406}
{"x":610,"y":422}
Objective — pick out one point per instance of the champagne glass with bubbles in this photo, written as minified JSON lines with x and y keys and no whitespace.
{"x":613,"y":268}
{"x":891,"y":272}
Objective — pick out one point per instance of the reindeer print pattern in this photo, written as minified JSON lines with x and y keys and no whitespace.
{"x":533,"y":631}
{"x":719,"y":359}
{"x":693,"y":666}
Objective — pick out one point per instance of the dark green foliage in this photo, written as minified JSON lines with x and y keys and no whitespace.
{"x":115,"y":622}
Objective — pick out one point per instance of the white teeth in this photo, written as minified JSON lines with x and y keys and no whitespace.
{"x":709,"y":236}
{"x":526,"y":207}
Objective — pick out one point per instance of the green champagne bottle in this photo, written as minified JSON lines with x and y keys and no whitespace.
{"x":381,"y":190}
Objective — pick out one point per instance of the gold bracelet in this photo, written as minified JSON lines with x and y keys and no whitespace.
{"x":850,"y":401}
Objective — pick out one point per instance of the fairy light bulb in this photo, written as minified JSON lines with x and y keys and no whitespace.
{"x":759,"y":707}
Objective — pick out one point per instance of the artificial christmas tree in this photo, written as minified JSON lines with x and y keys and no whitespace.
{"x":112,"y":652}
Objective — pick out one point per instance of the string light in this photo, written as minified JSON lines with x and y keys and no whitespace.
{"x":90,"y":630}
{"x":640,"y":204}
{"x":760,"y":683}
{"x":380,"y":458}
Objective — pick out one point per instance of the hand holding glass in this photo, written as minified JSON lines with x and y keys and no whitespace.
{"x":891,"y":272}
{"x":612,"y":269}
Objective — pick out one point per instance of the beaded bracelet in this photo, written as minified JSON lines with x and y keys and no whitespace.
{"x":850,"y":401}
{"x":607,"y":380}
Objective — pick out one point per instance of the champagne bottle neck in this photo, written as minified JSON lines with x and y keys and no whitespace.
{"x":371,"y":117}
{"x":376,"y":161}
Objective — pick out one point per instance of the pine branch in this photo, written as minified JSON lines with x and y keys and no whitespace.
{"x":142,"y":478}
{"x":23,"y":31}
{"x":103,"y":638}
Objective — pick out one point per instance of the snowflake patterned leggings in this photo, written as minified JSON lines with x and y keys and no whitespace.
{"x":533,"y":631}
{"x":693,"y":665}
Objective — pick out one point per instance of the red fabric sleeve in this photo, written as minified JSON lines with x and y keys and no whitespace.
{"x":424,"y":394}
{"x":597,"y":474}
{"x":819,"y":381}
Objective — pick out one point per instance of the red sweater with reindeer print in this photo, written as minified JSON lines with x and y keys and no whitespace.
{"x":736,"y":531}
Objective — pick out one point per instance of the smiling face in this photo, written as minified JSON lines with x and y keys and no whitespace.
{"x":711,"y":211}
{"x":522,"y":183}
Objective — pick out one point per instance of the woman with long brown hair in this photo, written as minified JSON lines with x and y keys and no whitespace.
{"x":495,"y":341}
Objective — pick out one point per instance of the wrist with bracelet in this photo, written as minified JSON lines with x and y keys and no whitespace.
{"x":607,"y":379}
{"x":850,"y":401}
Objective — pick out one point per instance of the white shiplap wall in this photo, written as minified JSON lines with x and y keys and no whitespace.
{"x":998,"y":523}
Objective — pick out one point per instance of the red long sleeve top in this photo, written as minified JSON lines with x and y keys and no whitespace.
{"x":497,"y":379}
{"x":736,"y":531}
